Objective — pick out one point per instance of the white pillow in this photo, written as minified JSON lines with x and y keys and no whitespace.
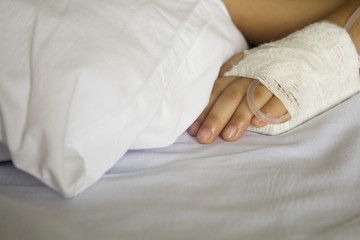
{"x":4,"y":151}
{"x":82,"y":81}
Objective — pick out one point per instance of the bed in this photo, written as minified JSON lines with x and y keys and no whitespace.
{"x":303,"y":184}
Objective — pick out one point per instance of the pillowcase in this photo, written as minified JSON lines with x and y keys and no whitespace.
{"x":4,"y":151}
{"x":83,"y":81}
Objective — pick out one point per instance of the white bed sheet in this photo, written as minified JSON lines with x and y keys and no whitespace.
{"x":304,"y":184}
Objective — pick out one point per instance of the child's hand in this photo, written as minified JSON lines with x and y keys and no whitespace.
{"x":228,"y":111}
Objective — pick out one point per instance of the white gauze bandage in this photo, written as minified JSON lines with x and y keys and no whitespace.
{"x":310,"y":71}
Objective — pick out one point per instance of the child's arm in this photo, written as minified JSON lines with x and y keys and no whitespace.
{"x":228,"y":108}
{"x":263,"y":20}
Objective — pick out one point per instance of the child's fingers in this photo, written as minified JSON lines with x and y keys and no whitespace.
{"x":273,"y":108}
{"x":220,"y":84}
{"x":218,"y":88}
{"x":222,"y":110}
{"x":242,"y":117}
{"x":228,"y":111}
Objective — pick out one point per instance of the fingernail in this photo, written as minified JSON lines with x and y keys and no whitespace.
{"x":258,"y":123}
{"x":231,"y":131}
{"x":194,"y":128}
{"x":204,"y":135}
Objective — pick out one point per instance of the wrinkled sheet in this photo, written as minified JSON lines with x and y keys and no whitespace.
{"x":304,"y":184}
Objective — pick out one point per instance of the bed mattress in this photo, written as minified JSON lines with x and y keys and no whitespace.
{"x":304,"y":184}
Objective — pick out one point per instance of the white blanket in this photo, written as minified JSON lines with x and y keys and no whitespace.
{"x":304,"y":184}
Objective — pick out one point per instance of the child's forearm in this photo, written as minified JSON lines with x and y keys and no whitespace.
{"x":263,"y":20}
{"x":342,"y":15}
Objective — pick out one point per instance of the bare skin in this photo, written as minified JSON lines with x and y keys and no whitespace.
{"x":227,"y":113}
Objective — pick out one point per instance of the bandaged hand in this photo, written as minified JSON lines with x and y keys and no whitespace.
{"x":228,"y":112}
{"x":309,"y":72}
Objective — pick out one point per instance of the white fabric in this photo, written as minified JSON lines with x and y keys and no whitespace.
{"x":304,"y":184}
{"x":82,"y":81}
{"x":310,"y":71}
{"x":4,"y":153}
